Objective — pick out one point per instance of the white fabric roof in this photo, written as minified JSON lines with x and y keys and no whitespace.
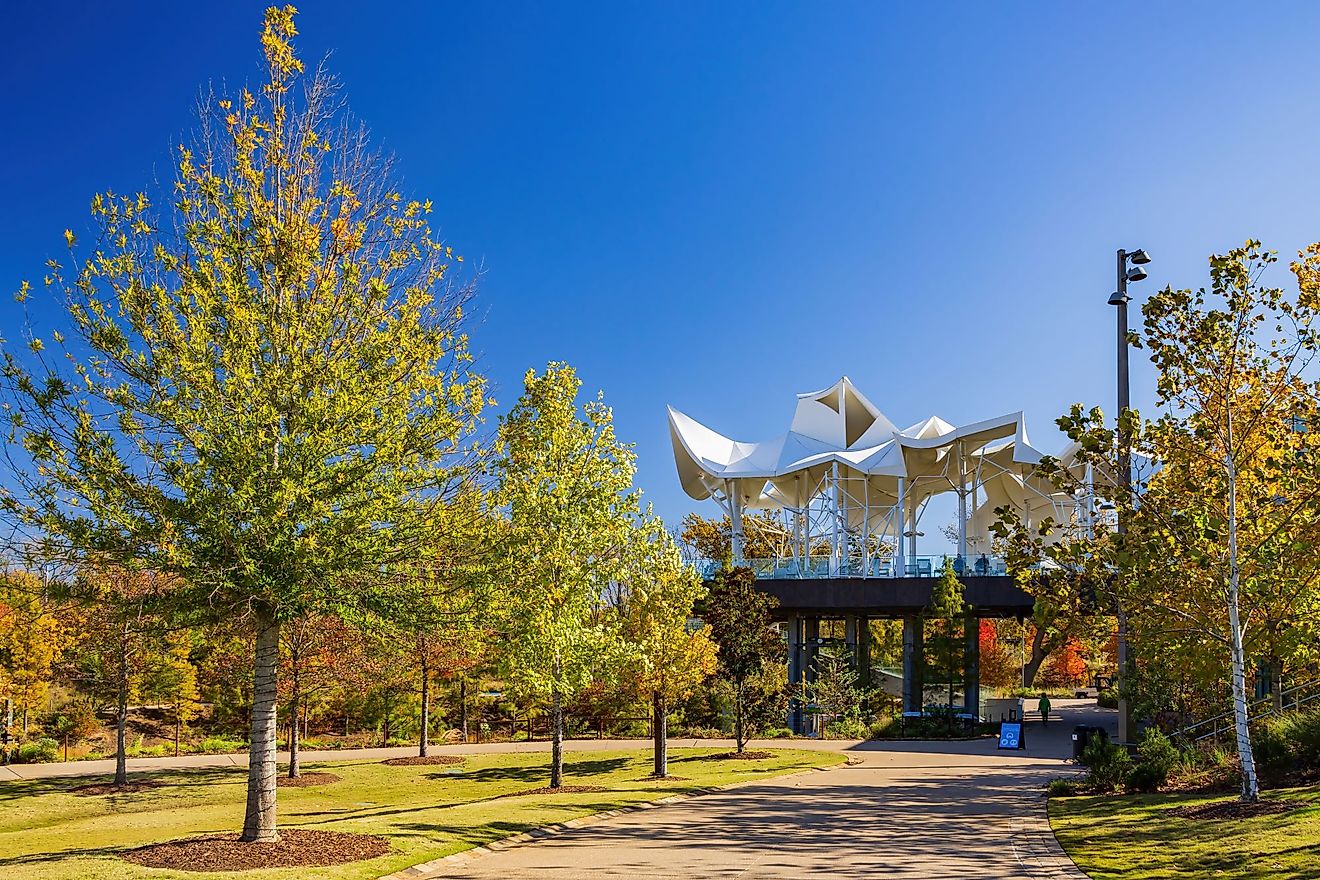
{"x":839,"y":424}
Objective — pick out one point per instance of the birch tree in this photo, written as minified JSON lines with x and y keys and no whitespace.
{"x":1222,"y":518}
{"x":565,"y":485}
{"x":262,"y":386}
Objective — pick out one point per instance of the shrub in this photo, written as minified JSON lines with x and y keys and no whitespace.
{"x":847,"y":728}
{"x":1156,"y":759}
{"x":1107,"y":699}
{"x":38,"y":751}
{"x":1286,"y":745}
{"x":1061,"y":788}
{"x":219,"y":745}
{"x":777,"y":733}
{"x":1107,"y":764}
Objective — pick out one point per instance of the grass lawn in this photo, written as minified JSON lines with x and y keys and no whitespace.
{"x":425,"y":812}
{"x":1133,"y":838}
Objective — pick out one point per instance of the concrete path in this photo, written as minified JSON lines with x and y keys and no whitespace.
{"x":907,"y":810}
{"x":155,"y":765}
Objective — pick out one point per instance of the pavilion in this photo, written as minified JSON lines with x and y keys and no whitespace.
{"x":849,"y":490}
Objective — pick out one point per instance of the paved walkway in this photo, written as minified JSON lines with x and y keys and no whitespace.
{"x":155,"y":765}
{"x":903,"y":810}
{"x":907,"y":810}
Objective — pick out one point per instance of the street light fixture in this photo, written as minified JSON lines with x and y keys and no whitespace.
{"x":1119,"y":298}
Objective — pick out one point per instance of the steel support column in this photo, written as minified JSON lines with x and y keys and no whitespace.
{"x":914,"y":663}
{"x":972,"y":665}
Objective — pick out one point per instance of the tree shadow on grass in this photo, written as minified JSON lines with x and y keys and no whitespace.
{"x":165,"y":783}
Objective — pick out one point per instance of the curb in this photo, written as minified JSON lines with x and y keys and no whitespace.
{"x":426,"y":870}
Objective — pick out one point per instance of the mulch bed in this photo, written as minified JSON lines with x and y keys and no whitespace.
{"x":736,"y":756}
{"x":418,"y":761}
{"x":1235,"y":809}
{"x":297,"y":847}
{"x":100,"y":788}
{"x":306,"y":780}
{"x":563,"y":789}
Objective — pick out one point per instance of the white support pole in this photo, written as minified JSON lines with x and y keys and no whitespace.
{"x":866,"y":525}
{"x":735,"y":520}
{"x":836,"y":499}
{"x":900,"y":509}
{"x":962,"y":504}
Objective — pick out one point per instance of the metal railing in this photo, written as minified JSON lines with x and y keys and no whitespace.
{"x":981,"y":565}
{"x":1292,"y":698}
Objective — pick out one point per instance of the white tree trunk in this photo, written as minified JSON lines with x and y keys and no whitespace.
{"x":259,"y":820}
{"x":1242,"y":732}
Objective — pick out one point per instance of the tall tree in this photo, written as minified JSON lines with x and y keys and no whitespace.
{"x":948,"y":611}
{"x":33,"y":634}
{"x":1221,"y":518}
{"x":268,"y":387}
{"x":122,"y":629}
{"x":171,"y":677}
{"x":668,"y":657}
{"x":741,"y":625}
{"x":565,"y":483}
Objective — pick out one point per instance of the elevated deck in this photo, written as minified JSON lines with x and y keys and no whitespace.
{"x":989,"y":596}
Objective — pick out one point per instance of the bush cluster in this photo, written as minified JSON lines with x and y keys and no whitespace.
{"x":1288,"y":745}
{"x":37,"y":751}
{"x":1109,"y":766}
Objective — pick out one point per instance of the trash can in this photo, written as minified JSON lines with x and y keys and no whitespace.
{"x":1083,"y":734}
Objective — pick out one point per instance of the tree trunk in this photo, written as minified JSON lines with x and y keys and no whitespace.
{"x":1276,"y":684}
{"x":660,"y":729}
{"x":295,"y":759}
{"x":424,"y":747}
{"x":738,"y":730}
{"x":462,"y":707}
{"x":1038,"y":655}
{"x":121,"y":712}
{"x":259,"y":820}
{"x":556,"y":741}
{"x":1250,"y":785}
{"x":66,"y":748}
{"x":178,"y":728}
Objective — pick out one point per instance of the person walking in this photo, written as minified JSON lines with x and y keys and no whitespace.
{"x":1044,"y":706}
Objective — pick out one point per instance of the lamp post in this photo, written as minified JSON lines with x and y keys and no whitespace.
{"x":1125,"y":273}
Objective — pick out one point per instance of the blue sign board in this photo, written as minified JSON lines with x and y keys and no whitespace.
{"x":1010,"y":735}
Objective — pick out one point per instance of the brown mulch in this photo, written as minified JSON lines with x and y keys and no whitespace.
{"x":670,"y":777}
{"x":1235,"y":809}
{"x":563,"y":789}
{"x":307,"y":779}
{"x":297,"y":847}
{"x":737,"y":756}
{"x":418,"y":761}
{"x":100,"y":788}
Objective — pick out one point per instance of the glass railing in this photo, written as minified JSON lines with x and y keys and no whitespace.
{"x":980,"y":565}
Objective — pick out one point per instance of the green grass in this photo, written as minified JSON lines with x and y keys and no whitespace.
{"x":1133,"y":838}
{"x":425,"y":812}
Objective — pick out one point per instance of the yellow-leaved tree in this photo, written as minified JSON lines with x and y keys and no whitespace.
{"x":263,"y":387}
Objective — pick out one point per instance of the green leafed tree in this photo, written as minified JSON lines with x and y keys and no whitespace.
{"x":947,"y":610}
{"x":565,"y":486}
{"x":739,"y":616}
{"x":263,"y":386}
{"x":668,"y":655}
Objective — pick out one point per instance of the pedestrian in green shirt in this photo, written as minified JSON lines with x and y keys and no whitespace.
{"x":1044,"y":709}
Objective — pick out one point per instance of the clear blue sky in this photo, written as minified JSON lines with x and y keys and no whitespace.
{"x":717,"y":205}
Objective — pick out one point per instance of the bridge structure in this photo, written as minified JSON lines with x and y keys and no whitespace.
{"x":843,"y":493}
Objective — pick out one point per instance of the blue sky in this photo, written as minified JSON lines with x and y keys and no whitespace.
{"x":717,"y":205}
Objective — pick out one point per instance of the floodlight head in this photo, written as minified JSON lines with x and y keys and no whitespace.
{"x":1136,"y":274}
{"x":1117,"y":299}
{"x":1139,"y":257}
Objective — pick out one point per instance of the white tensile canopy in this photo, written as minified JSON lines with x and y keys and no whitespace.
{"x":846,"y":477}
